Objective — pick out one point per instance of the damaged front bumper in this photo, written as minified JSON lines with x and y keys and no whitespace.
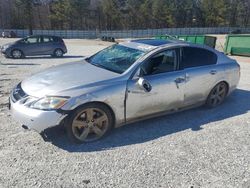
{"x":34,"y":119}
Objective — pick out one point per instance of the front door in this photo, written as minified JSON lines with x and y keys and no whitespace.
{"x":159,"y":87}
{"x":31,"y":45}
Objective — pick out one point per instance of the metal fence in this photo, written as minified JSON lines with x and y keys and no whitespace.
{"x":93,"y":34}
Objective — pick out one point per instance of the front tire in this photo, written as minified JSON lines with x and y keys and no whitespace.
{"x":17,"y":54}
{"x":217,"y":95}
{"x":89,"y":123}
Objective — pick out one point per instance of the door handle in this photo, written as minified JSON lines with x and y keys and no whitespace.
{"x":180,"y":80}
{"x":213,"y":72}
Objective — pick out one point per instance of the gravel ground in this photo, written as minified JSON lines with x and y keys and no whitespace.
{"x":196,"y":148}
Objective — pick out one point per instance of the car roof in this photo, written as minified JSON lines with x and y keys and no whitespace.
{"x":150,"y":44}
{"x":154,"y":42}
{"x":43,"y":36}
{"x":147,"y":45}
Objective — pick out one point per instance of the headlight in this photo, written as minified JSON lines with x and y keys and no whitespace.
{"x":5,"y":47}
{"x":49,"y":103}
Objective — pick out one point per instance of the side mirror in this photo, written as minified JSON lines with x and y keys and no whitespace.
{"x":22,"y":42}
{"x":137,"y":74}
{"x":144,"y":84}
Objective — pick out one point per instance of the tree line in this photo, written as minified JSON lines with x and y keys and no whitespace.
{"x":123,"y":14}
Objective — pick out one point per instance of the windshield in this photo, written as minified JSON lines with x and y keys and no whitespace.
{"x":116,"y":58}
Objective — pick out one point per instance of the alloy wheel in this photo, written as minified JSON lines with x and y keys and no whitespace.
{"x":217,"y":95}
{"x":17,"y":54}
{"x":90,"y":124}
{"x":58,"y":53}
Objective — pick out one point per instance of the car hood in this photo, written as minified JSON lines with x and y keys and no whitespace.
{"x":65,"y":77}
{"x":9,"y":44}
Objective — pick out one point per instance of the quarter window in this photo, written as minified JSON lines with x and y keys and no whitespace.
{"x":162,"y":62}
{"x":196,"y":57}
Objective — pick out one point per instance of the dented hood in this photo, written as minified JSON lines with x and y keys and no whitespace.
{"x":64,"y":77}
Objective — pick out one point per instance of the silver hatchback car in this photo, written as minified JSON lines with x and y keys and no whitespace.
{"x":124,"y":83}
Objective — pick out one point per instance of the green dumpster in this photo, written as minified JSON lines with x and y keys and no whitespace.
{"x":237,"y":45}
{"x":199,"y":39}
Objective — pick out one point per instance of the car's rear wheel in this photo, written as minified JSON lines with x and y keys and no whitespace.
{"x":17,"y":54}
{"x":217,"y":95}
{"x":89,"y":123}
{"x":58,"y":53}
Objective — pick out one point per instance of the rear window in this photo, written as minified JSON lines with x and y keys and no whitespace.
{"x":196,"y":57}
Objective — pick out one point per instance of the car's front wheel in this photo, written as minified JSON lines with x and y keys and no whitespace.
{"x":58,"y":53}
{"x":17,"y":54}
{"x":89,"y":123}
{"x":217,"y":95}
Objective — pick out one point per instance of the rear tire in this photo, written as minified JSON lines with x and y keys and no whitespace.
{"x":58,"y":53}
{"x":217,"y":95}
{"x":89,"y":123}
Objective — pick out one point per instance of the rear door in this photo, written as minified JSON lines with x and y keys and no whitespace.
{"x":47,"y":45}
{"x":201,"y":72}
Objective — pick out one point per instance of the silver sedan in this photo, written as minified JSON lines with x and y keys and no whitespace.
{"x":126,"y":82}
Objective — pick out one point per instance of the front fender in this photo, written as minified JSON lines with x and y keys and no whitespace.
{"x":111,"y":95}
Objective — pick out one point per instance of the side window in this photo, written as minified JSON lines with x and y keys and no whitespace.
{"x":162,"y":62}
{"x":47,"y":39}
{"x":196,"y":57}
{"x":31,"y":40}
